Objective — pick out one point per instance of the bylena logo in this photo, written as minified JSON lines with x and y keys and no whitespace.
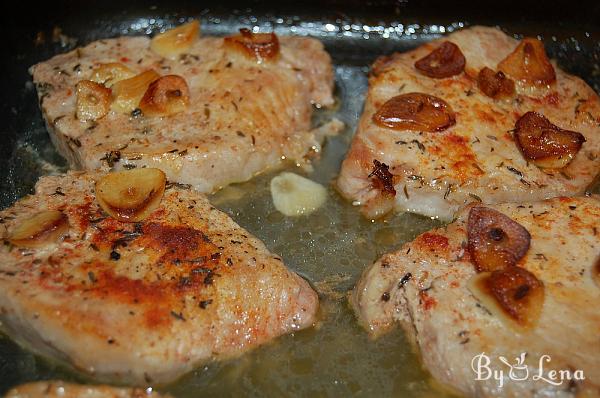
{"x":519,"y":370}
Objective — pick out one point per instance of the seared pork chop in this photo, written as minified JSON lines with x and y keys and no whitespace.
{"x":440,"y":130}
{"x":176,"y":284}
{"x":219,"y":112}
{"x":61,"y":389}
{"x":544,"y":259}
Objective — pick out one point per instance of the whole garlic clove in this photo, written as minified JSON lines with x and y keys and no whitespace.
{"x":596,"y":272}
{"x":416,"y":112}
{"x":445,"y":61}
{"x":165,"y":96}
{"x":495,"y":241}
{"x":40,"y":230}
{"x":294,"y":195}
{"x":176,"y":41}
{"x":529,"y":63}
{"x":260,"y":47}
{"x":512,"y":294}
{"x":131,"y":195}
{"x":495,"y":84}
{"x":545,"y":144}
{"x":111,"y":73}
{"x":128,"y":93}
{"x":93,"y":101}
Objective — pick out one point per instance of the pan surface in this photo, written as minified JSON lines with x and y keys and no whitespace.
{"x":332,"y":246}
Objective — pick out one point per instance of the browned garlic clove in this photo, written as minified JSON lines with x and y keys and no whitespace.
{"x":131,"y":195}
{"x":495,"y":241}
{"x":445,"y":61}
{"x":111,"y":73}
{"x":128,"y":93}
{"x":596,"y":272}
{"x":176,"y":41}
{"x":165,"y":96}
{"x":545,"y":144}
{"x":417,"y":112}
{"x":40,"y":230}
{"x":529,"y":63}
{"x":512,"y":294}
{"x":495,"y":84}
{"x":93,"y":100}
{"x":258,"y":46}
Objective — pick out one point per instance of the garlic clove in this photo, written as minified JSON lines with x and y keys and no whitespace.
{"x":93,"y":100}
{"x":294,"y":195}
{"x":495,"y":241}
{"x":40,"y":230}
{"x":260,"y":47}
{"x":445,"y":61}
{"x":545,"y":144}
{"x":512,"y":294}
{"x":128,"y":93}
{"x":176,"y":41}
{"x":529,"y":64}
{"x":131,"y":195}
{"x":495,"y":84}
{"x":165,"y":96}
{"x":111,"y":73}
{"x":596,"y":272}
{"x":415,"y":112}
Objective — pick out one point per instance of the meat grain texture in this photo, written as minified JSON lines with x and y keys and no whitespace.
{"x":243,"y":117}
{"x":435,"y":173}
{"x":424,"y":286}
{"x":144,"y":302}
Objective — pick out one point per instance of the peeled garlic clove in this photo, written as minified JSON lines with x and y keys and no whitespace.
{"x":93,"y":100}
{"x":495,"y":84}
{"x":495,"y":241}
{"x":165,"y":96}
{"x":131,"y":195}
{"x":416,"y":112}
{"x":545,"y":144}
{"x":176,"y":41}
{"x":128,"y":93}
{"x":294,"y":195}
{"x":43,"y":228}
{"x":596,"y":272}
{"x":529,"y":63}
{"x":512,"y":294}
{"x":445,"y":61}
{"x":257,"y":46}
{"x":111,"y":73}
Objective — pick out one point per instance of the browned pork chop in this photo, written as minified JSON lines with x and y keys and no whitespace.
{"x":243,"y":114}
{"x":60,"y":389}
{"x":427,"y":285}
{"x":431,"y":155}
{"x":139,"y":301}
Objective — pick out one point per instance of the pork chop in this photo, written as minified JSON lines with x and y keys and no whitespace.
{"x":431,"y":144}
{"x":238,"y":114}
{"x":141,"y":301}
{"x":61,"y":389}
{"x":427,"y":285}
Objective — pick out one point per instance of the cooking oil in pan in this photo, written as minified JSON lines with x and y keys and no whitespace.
{"x":330,"y":248}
